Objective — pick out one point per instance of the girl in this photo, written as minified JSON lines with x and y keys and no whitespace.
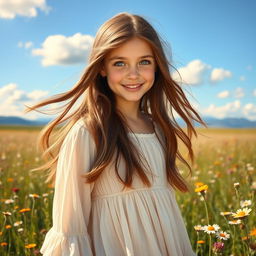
{"x":113,"y":162}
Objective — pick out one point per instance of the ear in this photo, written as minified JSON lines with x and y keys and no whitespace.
{"x":103,"y":72}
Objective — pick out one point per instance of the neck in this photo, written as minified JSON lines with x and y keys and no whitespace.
{"x":130,"y":111}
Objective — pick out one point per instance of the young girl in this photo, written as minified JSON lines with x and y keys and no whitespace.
{"x":114,"y":161}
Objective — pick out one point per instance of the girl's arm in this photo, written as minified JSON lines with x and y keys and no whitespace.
{"x":72,"y":197}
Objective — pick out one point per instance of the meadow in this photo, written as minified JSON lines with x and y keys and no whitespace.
{"x":219,"y":210}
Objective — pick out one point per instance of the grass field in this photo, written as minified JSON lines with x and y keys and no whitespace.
{"x":220,"y":215}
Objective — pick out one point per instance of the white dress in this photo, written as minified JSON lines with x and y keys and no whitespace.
{"x":100,"y":219}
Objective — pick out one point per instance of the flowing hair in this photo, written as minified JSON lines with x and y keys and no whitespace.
{"x":106,"y":124}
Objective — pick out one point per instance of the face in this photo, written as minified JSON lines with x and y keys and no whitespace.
{"x":130,"y":71}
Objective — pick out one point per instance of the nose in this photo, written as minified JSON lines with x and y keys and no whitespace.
{"x":133,"y":72}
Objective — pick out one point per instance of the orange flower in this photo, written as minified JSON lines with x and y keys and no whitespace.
{"x":24,"y":210}
{"x":253,"y":232}
{"x":30,"y":246}
{"x":4,"y":244}
{"x":8,"y":226}
{"x":10,"y":180}
{"x":200,"y":241}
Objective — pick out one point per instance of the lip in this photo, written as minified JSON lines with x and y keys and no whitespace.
{"x":132,"y":89}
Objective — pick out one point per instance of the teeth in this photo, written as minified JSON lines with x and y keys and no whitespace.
{"x":132,"y":86}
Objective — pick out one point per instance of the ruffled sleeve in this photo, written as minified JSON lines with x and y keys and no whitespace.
{"x":72,"y":197}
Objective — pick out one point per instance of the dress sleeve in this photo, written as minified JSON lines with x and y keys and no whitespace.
{"x":72,"y":197}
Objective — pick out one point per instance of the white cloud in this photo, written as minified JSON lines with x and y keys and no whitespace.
{"x":192,"y":73}
{"x":249,"y":111}
{"x":219,"y":74}
{"x":12,"y":101}
{"x":231,"y":109}
{"x":9,"y":9}
{"x":223,"y":94}
{"x":25,"y":45}
{"x":62,"y":50}
{"x":239,"y":92}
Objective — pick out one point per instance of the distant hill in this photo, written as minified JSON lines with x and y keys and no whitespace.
{"x":210,"y":121}
{"x":15,"y":120}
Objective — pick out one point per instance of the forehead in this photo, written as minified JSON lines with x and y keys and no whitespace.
{"x":135,"y":47}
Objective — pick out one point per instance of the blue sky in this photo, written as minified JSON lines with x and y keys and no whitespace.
{"x":44,"y":46}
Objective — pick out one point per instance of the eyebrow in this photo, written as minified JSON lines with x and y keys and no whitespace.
{"x":123,"y":58}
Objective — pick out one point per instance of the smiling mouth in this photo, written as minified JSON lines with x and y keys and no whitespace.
{"x":132,"y":86}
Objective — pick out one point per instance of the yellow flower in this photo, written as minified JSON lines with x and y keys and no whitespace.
{"x":199,"y":184}
{"x":30,"y":246}
{"x":25,"y":210}
{"x":201,"y":188}
{"x":241,"y":213}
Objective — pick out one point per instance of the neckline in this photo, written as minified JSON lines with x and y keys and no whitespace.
{"x":145,"y":134}
{"x":142,"y":134}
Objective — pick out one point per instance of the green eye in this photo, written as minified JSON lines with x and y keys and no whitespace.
{"x":147,"y":62}
{"x":118,"y":64}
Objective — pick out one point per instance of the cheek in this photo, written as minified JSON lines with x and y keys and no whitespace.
{"x":148,"y":74}
{"x":114,"y":77}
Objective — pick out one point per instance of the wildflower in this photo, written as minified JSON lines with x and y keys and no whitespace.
{"x":200,"y":241}
{"x":211,"y":229}
{"x":9,"y":201}
{"x":235,"y":222}
{"x":201,"y":189}
{"x":20,"y":230}
{"x":198,"y":228}
{"x":30,"y":246}
{"x":249,"y":167}
{"x":253,"y":232}
{"x":8,"y":226}
{"x":237,"y":185}
{"x":245,"y":238}
{"x":4,"y":244}
{"x":10,"y":180}
{"x":223,"y":235}
{"x":34,"y":195}
{"x":17,"y":223}
{"x":45,"y":194}
{"x":218,"y":247}
{"x":241,"y":213}
{"x":245,"y":203}
{"x":199,"y":184}
{"x":24,"y":210}
{"x":6,"y":213}
{"x":15,"y":190}
{"x":225,"y":213}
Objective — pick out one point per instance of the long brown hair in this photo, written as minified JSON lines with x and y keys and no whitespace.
{"x":106,"y":125}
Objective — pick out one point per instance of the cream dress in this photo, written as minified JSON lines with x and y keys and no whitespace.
{"x":100,"y":219}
